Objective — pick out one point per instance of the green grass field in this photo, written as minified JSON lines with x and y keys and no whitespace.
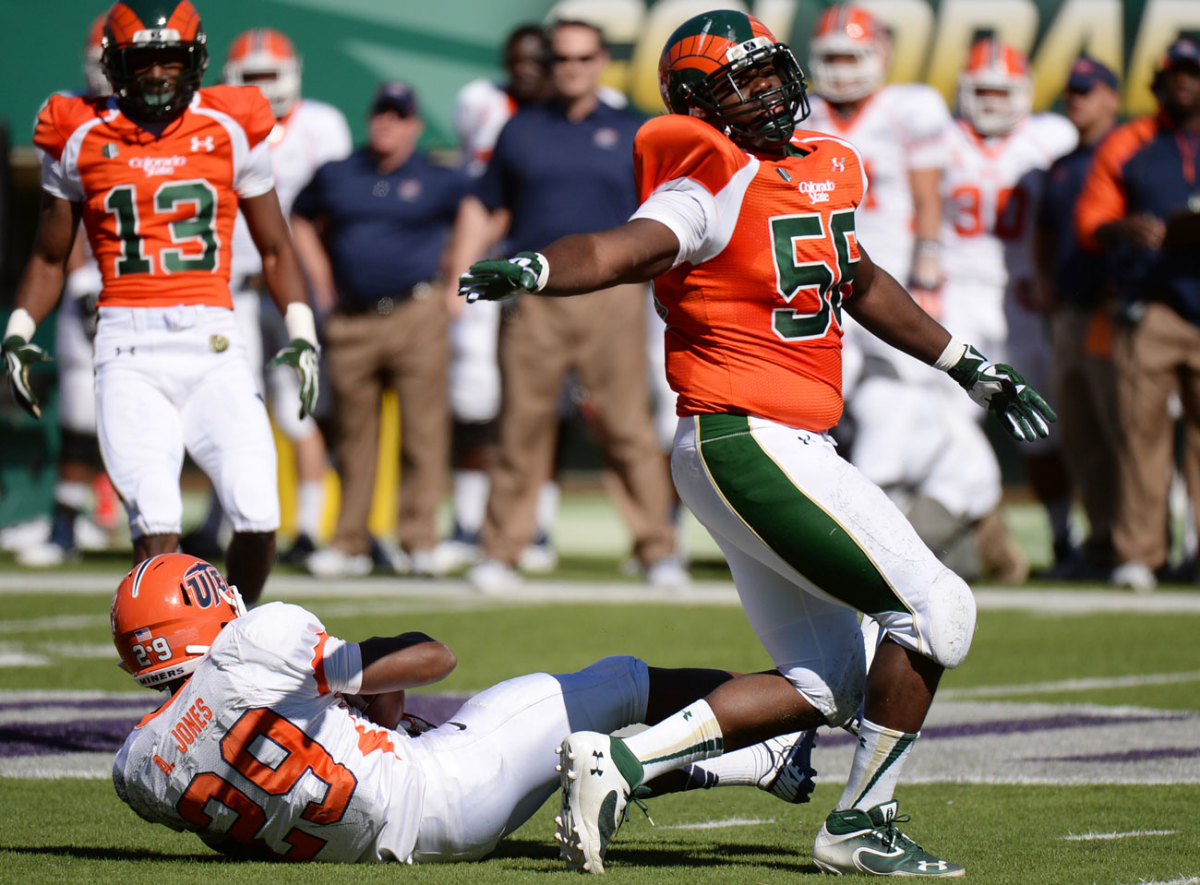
{"x":1065,"y":750}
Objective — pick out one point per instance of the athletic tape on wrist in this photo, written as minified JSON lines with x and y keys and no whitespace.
{"x":21,"y":324}
{"x":544,"y":274}
{"x":300,"y":323}
{"x":951,"y":355}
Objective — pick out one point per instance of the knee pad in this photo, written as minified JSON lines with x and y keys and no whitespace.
{"x":836,"y":693}
{"x":952,"y":626}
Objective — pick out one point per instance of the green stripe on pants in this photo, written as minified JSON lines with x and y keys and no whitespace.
{"x":795,"y":527}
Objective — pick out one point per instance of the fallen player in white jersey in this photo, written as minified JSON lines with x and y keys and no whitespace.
{"x":281,"y":741}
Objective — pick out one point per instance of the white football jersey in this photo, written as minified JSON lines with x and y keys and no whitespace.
{"x":991,"y":189}
{"x":897,"y":130}
{"x":313,"y":134}
{"x":258,"y":753}
{"x":480,"y":112}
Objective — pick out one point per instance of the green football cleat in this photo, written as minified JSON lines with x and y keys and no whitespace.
{"x":867,"y":843}
{"x":595,"y":794}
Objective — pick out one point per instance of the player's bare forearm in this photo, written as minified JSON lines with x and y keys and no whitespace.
{"x":634,"y":252}
{"x":883,"y":307}
{"x":42,"y":282}
{"x":405,"y":661}
{"x":281,"y":267}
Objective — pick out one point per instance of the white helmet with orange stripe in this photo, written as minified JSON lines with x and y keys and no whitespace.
{"x":847,"y":55}
{"x":265,"y":58}
{"x":994,"y":90}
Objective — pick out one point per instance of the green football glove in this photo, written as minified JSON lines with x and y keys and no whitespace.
{"x":501,"y":278}
{"x":301,"y":355}
{"x":19,"y":356}
{"x":1001,"y":389}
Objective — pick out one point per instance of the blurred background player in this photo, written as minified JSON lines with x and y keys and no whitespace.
{"x":998,"y":154}
{"x":81,"y":477}
{"x":171,"y":373}
{"x":481,"y":109}
{"x":1139,"y":204}
{"x":1074,"y":289}
{"x":934,"y":462}
{"x":307,"y":135}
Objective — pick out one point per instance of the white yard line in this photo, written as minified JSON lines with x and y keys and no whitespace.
{"x":1103,"y":837}
{"x":1068,"y":685}
{"x":719,"y":824}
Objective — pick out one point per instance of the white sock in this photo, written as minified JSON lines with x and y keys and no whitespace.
{"x":547,"y":508}
{"x":688,"y":736}
{"x":310,"y":498}
{"x":470,"y":499}
{"x":747,"y":767}
{"x":878,"y":759}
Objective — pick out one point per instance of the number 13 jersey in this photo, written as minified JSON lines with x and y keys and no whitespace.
{"x":159,"y":210}
{"x":767,"y":255}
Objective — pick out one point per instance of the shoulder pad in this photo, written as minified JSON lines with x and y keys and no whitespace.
{"x":246,"y":105}
{"x":59,"y":117}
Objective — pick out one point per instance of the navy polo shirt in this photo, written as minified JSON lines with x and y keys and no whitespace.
{"x":384,"y":231}
{"x":1079,"y":276}
{"x":559,"y":177}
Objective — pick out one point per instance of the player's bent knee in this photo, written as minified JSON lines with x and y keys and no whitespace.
{"x":951,"y":630}
{"x":836,"y":696}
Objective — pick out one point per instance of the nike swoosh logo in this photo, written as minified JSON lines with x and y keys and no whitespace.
{"x":457,"y":725}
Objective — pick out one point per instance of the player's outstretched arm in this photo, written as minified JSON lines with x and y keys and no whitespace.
{"x":405,"y":661}
{"x":882,"y":306}
{"x":634,"y":252}
{"x":37,"y":293}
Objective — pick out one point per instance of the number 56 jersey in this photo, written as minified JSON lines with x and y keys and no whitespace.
{"x":159,"y":209}
{"x":258,"y":754}
{"x":767,"y":254}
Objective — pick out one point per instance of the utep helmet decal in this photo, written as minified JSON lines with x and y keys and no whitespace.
{"x":166,"y":613}
{"x":266,"y":58}
{"x":705,"y":60}
{"x":851,"y":32}
{"x":994,"y":65}
{"x":139,"y":32}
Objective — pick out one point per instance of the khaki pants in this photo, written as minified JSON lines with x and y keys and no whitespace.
{"x":602,"y":336}
{"x":1085,"y":397}
{"x":406,"y":350}
{"x":1159,"y":355}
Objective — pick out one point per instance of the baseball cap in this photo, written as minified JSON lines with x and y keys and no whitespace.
{"x":1087,"y":73}
{"x":1182,"y":53}
{"x":397,"y":96}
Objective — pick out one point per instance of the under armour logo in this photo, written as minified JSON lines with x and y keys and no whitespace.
{"x":598,"y":757}
{"x":687,"y":714}
{"x":925,"y":866}
{"x":839,"y":164}
{"x":202,"y":144}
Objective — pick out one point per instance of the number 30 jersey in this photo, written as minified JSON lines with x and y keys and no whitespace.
{"x":259,"y":755}
{"x":767,"y":255}
{"x":159,"y":210}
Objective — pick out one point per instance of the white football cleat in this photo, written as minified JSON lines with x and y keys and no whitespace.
{"x":594,"y":795}
{"x":860,"y":842}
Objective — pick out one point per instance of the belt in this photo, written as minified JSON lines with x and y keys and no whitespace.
{"x":385,"y":304}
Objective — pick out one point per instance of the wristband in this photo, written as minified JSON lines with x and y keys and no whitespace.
{"x":299,"y":322}
{"x":951,"y":355}
{"x":544,"y":273}
{"x":20,"y":324}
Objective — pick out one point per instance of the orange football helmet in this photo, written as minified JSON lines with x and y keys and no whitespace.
{"x":265,"y":58}
{"x":93,"y":50}
{"x":994,"y":90}
{"x":138,"y":33}
{"x":166,"y":614}
{"x":707,"y":66}
{"x":848,"y":54}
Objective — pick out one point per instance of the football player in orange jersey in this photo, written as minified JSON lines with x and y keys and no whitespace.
{"x":158,"y":172}
{"x":747,"y":227}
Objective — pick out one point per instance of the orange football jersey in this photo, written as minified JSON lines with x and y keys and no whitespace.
{"x":756,"y":327}
{"x":158,"y":210}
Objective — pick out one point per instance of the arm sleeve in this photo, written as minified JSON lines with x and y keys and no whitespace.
{"x":687,"y":209}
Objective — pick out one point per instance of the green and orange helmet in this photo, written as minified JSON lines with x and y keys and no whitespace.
{"x":138,"y":33}
{"x":707,"y":70}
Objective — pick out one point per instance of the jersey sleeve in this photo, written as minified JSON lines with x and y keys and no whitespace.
{"x":1103,"y":198}
{"x":56,"y":121}
{"x":926,"y":120}
{"x":255,"y":176}
{"x":284,"y":650}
